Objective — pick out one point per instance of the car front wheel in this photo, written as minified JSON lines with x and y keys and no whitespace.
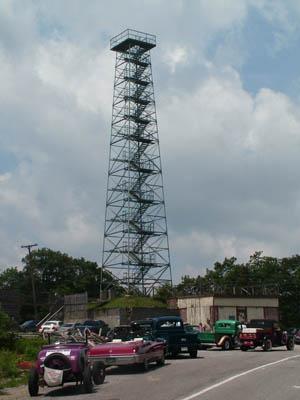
{"x":33,"y":382}
{"x":193,"y":353}
{"x":267,"y":345}
{"x":290,"y":345}
{"x":161,"y":361}
{"x":87,"y":380}
{"x":98,"y":373}
{"x":226,"y":345}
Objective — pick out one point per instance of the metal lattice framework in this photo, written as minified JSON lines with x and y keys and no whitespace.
{"x":135,"y":245}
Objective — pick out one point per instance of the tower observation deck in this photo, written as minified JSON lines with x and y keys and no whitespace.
{"x":135,"y":245}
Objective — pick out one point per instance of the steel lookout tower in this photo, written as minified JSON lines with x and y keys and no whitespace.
{"x":135,"y":245}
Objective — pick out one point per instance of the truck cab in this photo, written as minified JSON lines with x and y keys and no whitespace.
{"x":225,"y":334}
{"x":171,"y":329}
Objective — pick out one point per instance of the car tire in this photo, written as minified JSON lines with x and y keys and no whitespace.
{"x":146,"y":365}
{"x":290,"y":345}
{"x":98,"y":373}
{"x":193,"y":353}
{"x":161,"y":361}
{"x":33,"y":382}
{"x":226,"y":345}
{"x":87,"y":381}
{"x":174,"y":353}
{"x":267,"y":345}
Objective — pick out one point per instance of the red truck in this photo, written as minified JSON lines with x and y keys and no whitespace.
{"x":266,"y":334}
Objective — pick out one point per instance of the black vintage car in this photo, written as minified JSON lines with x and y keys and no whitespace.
{"x":97,"y":326}
{"x":266,"y":334}
{"x":171,"y":329}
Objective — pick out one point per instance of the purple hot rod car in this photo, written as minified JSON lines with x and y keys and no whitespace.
{"x":64,"y":362}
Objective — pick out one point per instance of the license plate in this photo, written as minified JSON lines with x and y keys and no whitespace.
{"x":184,"y":349}
{"x":110,"y":360}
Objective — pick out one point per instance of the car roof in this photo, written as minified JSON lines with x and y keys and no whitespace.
{"x":227,"y":321}
{"x":51,"y":322}
{"x":158,"y":319}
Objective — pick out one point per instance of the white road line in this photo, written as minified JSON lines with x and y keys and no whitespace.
{"x":249,"y":371}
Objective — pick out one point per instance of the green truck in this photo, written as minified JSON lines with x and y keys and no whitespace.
{"x":225,"y":334}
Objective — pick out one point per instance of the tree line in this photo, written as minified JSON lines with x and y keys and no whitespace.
{"x":57,"y":274}
{"x":259,"y":276}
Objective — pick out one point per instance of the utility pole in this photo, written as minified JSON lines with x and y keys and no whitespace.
{"x":28,"y":247}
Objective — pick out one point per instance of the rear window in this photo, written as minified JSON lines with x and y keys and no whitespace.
{"x":225,"y":325}
{"x":170,"y":324}
{"x":256,"y":323}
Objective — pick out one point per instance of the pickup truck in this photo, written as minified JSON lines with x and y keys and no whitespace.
{"x":171,"y":329}
{"x":225,"y":334}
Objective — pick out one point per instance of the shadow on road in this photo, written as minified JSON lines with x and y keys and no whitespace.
{"x":70,"y":390}
{"x":133,"y":369}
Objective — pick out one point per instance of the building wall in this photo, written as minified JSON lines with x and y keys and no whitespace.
{"x":75,"y":307}
{"x":255,"y":313}
{"x":227,"y":312}
{"x":123,"y":316}
{"x":208,"y":309}
{"x":111,"y":316}
{"x":197,"y":309}
{"x":246,"y":302}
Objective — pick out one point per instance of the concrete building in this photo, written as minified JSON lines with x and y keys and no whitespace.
{"x":208,"y":309}
{"x":76,"y":309}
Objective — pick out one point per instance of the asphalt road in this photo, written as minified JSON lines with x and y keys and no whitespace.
{"x":214,"y":375}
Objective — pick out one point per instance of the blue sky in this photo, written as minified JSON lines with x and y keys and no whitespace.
{"x":227,"y":80}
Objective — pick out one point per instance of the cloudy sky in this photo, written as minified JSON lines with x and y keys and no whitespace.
{"x":227,"y":83}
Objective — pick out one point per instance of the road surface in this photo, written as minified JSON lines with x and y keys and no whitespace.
{"x":214,"y":375}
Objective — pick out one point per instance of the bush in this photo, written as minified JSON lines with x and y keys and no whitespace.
{"x":29,"y":348}
{"x":8,"y":365}
{"x":7,"y":338}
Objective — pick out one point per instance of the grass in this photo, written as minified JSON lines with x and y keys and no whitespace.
{"x":24,"y":350}
{"x":132,"y":301}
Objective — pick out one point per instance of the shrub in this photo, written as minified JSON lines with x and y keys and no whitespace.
{"x":29,"y":347}
{"x":8,"y":366}
{"x":7,"y":338}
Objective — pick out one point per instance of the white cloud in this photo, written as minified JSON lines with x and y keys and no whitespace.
{"x":230,"y":157}
{"x":84,"y":74}
{"x":176,"y":56}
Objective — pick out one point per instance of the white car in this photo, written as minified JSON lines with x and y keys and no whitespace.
{"x":50,"y":326}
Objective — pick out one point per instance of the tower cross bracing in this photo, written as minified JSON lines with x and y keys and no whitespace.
{"x":135,"y":245}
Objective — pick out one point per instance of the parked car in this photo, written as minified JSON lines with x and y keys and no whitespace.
{"x":225,"y":334}
{"x":266,"y":334}
{"x":97,"y":326}
{"x":125,"y":349}
{"x":64,"y":362}
{"x":171,"y":329}
{"x":28,"y":326}
{"x":297,"y":336}
{"x":69,"y":327}
{"x":50,"y":326}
